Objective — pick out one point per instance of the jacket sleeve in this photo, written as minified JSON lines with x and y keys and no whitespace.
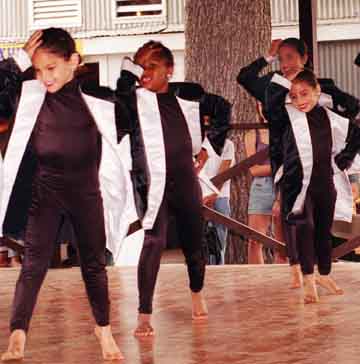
{"x":254,"y":84}
{"x":10,"y":86}
{"x":276,"y":114}
{"x":219,"y":111}
{"x":343,"y":103}
{"x":345,"y":158}
{"x":129,"y":74}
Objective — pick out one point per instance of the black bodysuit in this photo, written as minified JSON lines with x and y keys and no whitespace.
{"x":310,"y":236}
{"x":182,"y":199}
{"x":66,"y":143}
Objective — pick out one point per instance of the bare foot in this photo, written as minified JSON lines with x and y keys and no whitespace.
{"x":144,"y":327}
{"x":310,"y":291}
{"x":15,"y":350}
{"x":15,"y":262}
{"x":329,"y":284}
{"x":199,"y":309}
{"x":297,"y":277}
{"x":110,"y":350}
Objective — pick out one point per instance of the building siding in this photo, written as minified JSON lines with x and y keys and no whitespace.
{"x":337,"y":62}
{"x":286,"y":11}
{"x":97,"y":20}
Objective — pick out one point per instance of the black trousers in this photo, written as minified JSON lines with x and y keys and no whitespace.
{"x":308,"y":237}
{"x":183,"y":200}
{"x":86,"y":213}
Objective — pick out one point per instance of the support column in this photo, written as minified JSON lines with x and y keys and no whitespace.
{"x":308,"y":29}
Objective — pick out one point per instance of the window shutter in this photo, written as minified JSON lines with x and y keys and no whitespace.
{"x":58,"y":13}
{"x":130,"y":8}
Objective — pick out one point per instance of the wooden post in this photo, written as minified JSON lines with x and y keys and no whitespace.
{"x":308,"y":29}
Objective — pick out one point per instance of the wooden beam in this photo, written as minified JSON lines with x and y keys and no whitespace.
{"x":12,"y":244}
{"x":346,"y":247}
{"x":308,"y":29}
{"x":241,"y":167}
{"x":244,"y":230}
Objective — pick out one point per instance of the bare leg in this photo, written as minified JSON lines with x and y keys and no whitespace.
{"x":16,"y":348}
{"x":144,"y":327}
{"x":310,"y":291}
{"x":110,"y":350}
{"x":329,"y":284}
{"x":297,"y":277}
{"x":279,"y":235}
{"x":199,"y":308}
{"x":261,"y":223}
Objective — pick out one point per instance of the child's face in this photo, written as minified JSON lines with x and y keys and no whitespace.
{"x":291,"y":62}
{"x":303,"y":96}
{"x":53,"y":70}
{"x":156,"y":72}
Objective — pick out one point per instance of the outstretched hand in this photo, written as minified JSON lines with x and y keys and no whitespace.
{"x":33,"y":42}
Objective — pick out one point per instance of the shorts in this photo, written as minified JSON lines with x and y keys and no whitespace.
{"x":262,"y":196}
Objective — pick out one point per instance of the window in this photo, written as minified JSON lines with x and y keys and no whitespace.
{"x":139,"y":8}
{"x":60,"y":13}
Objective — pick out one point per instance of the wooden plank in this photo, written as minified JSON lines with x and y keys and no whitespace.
{"x":242,"y":229}
{"x":12,"y":244}
{"x":241,"y":167}
{"x":346,"y":247}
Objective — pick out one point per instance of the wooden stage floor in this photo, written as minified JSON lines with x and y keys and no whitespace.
{"x":254,"y":318}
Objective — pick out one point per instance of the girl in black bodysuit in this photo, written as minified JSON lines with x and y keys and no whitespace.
{"x":172,"y":138}
{"x":313,"y":138}
{"x":66,"y":145}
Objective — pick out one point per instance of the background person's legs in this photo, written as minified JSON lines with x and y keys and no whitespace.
{"x":222,"y":205}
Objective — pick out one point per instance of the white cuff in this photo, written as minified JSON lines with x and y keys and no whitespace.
{"x":206,"y":144}
{"x":23,"y":60}
{"x":326,"y":100}
{"x":128,"y":65}
{"x":270,"y":59}
{"x":278,"y":175}
{"x":207,"y":186}
{"x":280,"y":80}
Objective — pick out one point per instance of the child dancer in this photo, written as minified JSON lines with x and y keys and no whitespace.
{"x":56,"y":142}
{"x":166,"y":133}
{"x":311,"y":185}
{"x":293,"y":57}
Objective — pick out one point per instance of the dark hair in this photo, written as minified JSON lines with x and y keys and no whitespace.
{"x":58,"y":41}
{"x":158,"y":49}
{"x":299,"y":46}
{"x":307,"y":76}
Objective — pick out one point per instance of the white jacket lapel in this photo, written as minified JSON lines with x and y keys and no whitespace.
{"x":31,"y":100}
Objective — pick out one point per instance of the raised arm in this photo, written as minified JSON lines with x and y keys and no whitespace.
{"x":219,"y":112}
{"x":129,"y":74}
{"x":275,"y":113}
{"x":249,"y":78}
